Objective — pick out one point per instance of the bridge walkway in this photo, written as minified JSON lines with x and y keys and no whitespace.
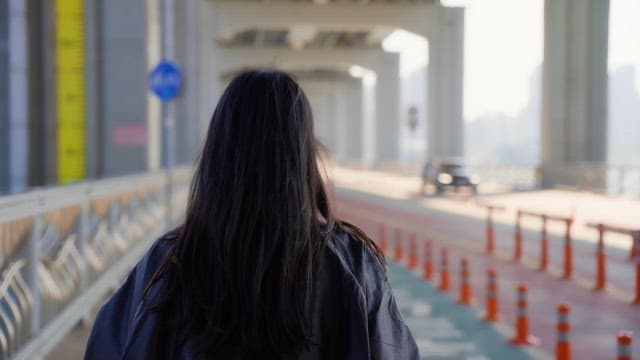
{"x":65,"y":249}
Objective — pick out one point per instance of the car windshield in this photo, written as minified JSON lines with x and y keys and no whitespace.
{"x":455,"y":170}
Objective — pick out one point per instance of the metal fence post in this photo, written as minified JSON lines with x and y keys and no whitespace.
{"x":82,"y":243}
{"x":33,"y":259}
{"x":112,"y":221}
{"x":169,"y":195}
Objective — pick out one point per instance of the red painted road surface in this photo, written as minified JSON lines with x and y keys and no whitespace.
{"x":595,"y":318}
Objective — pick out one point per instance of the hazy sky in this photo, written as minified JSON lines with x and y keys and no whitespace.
{"x":504,"y":44}
{"x":624,"y":35}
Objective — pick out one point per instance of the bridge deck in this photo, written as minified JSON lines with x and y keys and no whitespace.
{"x":445,"y":330}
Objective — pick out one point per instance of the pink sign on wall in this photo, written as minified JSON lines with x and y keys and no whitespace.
{"x":130,"y":135}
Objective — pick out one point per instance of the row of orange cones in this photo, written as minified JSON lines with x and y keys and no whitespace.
{"x":522,"y":336}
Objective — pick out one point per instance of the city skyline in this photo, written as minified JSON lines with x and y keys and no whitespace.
{"x":500,"y":138}
{"x":497,"y":81}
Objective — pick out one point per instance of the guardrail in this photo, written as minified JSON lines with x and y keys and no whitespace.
{"x":601,"y":257}
{"x":517,"y":177}
{"x":62,"y":250}
{"x":611,"y":179}
{"x":604,"y":178}
{"x":544,"y":242}
{"x":490,"y":230}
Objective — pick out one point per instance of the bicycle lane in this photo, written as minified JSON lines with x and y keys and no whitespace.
{"x":445,"y":330}
{"x":595,"y":318}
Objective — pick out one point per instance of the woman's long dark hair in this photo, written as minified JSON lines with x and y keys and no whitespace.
{"x":239,"y":273}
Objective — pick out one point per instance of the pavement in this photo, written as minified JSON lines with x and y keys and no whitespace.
{"x":444,"y":330}
{"x":368,"y":198}
{"x":73,"y":345}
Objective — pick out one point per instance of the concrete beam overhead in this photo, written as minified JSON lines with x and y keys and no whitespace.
{"x":338,"y":59}
{"x":233,"y":15}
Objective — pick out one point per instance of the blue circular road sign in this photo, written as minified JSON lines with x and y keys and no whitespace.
{"x":165,"y":80}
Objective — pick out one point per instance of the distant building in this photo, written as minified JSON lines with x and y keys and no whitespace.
{"x":624,"y":117}
{"x":498,"y":139}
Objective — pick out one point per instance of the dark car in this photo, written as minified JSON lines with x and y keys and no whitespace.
{"x":449,"y":174}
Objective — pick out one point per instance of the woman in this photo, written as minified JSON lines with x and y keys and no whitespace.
{"x":261,"y":268}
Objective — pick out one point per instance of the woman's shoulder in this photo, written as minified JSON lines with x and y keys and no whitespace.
{"x":161,"y":247}
{"x":352,"y":243}
{"x":120,"y":321}
{"x":361,"y":261}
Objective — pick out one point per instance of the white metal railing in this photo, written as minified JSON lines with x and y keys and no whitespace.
{"x":517,"y":177}
{"x":62,"y":250}
{"x":605,"y":178}
{"x":609,"y":179}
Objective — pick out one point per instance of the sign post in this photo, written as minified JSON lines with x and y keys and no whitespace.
{"x":165,"y":80}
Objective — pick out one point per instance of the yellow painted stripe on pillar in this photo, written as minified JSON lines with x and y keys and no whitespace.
{"x":70,"y":90}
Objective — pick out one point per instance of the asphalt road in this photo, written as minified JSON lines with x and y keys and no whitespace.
{"x":595,"y":317}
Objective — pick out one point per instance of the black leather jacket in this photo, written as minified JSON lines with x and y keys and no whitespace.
{"x":355,"y":315}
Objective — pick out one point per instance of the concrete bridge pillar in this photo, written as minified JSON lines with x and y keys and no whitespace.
{"x":445,"y":129}
{"x":354,"y":121}
{"x":126,"y":44}
{"x":574,"y":105}
{"x":342,"y":119}
{"x":322,"y":97}
{"x":387,"y":124}
{"x":14,"y":112}
{"x":188,"y":116}
{"x":210,"y":63}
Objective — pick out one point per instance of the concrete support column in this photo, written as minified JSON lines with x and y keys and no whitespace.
{"x":18,"y":94}
{"x":354,"y":121}
{"x":323,"y":100}
{"x":445,"y":129}
{"x":154,"y":106}
{"x":387,"y":128}
{"x":91,"y":81}
{"x":187,"y":55}
{"x":15,"y":80}
{"x":330,"y":122}
{"x":342,"y":121}
{"x":211,"y":84}
{"x":4,"y":97}
{"x":369,"y":111}
{"x":124,"y":92}
{"x":574,"y":105}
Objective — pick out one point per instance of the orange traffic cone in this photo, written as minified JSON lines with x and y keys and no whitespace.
{"x":465,"y":288}
{"x":492,"y":297}
{"x":427,"y":273}
{"x":624,"y":345}
{"x":563,"y":349}
{"x":382,"y":235}
{"x":522,"y":321}
{"x":601,"y":261}
{"x":517,"y":250}
{"x":413,"y":252}
{"x":568,"y":250}
{"x":444,"y":271}
{"x":544,"y":245}
{"x":398,"y":244}
{"x":636,"y":245}
{"x":490,"y":231}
